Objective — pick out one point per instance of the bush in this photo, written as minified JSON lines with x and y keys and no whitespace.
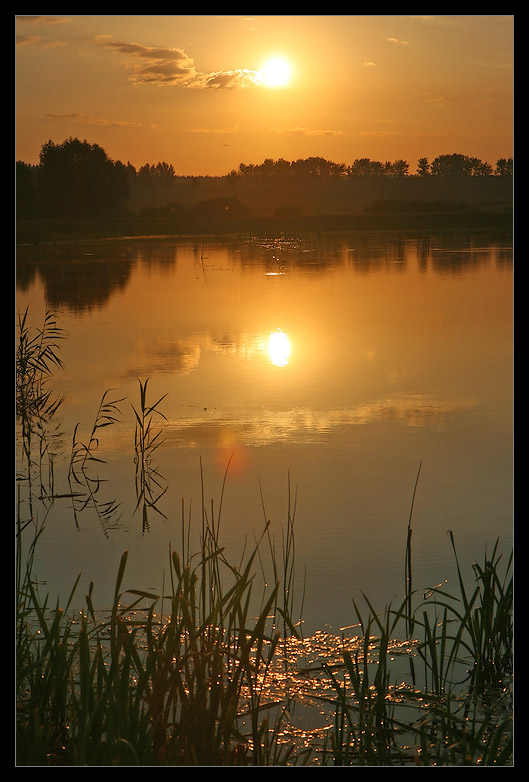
{"x":221,"y":207}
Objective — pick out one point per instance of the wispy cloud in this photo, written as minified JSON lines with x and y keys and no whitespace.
{"x":297,"y":131}
{"x":396,"y":40}
{"x":24,"y":39}
{"x":376,"y":133}
{"x":166,"y":66}
{"x":28,"y":40}
{"x":86,"y":119}
{"x":27,"y":19}
{"x":36,"y":40}
{"x":215,"y":131}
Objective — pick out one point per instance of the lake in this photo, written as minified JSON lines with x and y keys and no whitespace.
{"x":322,"y":374}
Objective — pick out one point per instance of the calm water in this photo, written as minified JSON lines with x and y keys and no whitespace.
{"x":385,"y":354}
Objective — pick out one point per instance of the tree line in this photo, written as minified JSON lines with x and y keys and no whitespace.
{"x":443,"y":165}
{"x":78,"y":179}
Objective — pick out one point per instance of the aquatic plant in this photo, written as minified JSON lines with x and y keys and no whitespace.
{"x":163,"y":680}
{"x":37,"y":356}
{"x":147,"y":438}
{"x":84,"y":485}
{"x":459,"y":705}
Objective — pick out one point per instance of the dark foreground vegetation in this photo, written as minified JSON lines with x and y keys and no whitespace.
{"x":77,"y":190}
{"x":206,"y":673}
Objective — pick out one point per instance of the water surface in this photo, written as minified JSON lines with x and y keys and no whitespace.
{"x":316,"y":372}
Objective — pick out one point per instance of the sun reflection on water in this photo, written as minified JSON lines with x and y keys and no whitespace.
{"x":279,"y":348}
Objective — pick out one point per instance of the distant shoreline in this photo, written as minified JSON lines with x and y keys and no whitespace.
{"x":37,"y":232}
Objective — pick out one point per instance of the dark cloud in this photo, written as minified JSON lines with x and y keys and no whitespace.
{"x":153,"y":64}
{"x":171,"y":66}
{"x":28,"y":40}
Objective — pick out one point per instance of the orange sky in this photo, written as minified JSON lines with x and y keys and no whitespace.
{"x":189,"y":90}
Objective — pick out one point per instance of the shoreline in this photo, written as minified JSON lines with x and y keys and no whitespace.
{"x":40,"y":232}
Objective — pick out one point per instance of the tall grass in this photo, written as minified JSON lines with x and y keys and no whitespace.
{"x":180,"y":677}
{"x":164,"y":679}
{"x":37,"y":356}
{"x":456,"y":707}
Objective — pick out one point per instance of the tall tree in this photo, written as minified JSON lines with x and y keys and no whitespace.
{"x":78,"y":179}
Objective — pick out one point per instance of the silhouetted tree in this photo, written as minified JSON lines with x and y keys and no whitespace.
{"x":317,"y":167}
{"x":361,"y":167}
{"x":459,"y":165}
{"x":160,"y":173}
{"x":398,"y":168}
{"x":78,"y":179}
{"x":423,"y":167}
{"x":246,"y":169}
{"x":281,"y":169}
{"x":504,"y":167}
{"x":26,"y":190}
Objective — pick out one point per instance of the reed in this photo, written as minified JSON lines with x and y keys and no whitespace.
{"x":461,"y":705}
{"x":143,"y":687}
{"x":37,"y":356}
{"x":84,"y":485}
{"x":150,"y":485}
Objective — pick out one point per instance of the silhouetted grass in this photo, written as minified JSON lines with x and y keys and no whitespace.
{"x":457,"y":708}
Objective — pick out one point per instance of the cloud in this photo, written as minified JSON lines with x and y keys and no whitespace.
{"x":164,"y":66}
{"x":88,"y":120}
{"x":215,"y":131}
{"x":153,"y":64}
{"x":36,"y":40}
{"x":438,"y":99}
{"x":28,"y":40}
{"x":43,"y":19}
{"x":396,"y":40}
{"x":310,"y":132}
{"x":376,"y":133}
{"x":225,"y":79}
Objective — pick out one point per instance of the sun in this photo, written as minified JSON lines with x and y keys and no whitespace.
{"x":276,"y":72}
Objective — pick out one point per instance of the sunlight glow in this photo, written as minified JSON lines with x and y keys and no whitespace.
{"x":276,"y":72}
{"x":279,"y":348}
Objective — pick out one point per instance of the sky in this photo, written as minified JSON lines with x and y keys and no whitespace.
{"x":207,"y":93}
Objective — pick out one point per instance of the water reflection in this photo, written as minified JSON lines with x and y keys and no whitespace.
{"x":388,"y":352}
{"x":67,"y":273}
{"x":279,"y":348}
